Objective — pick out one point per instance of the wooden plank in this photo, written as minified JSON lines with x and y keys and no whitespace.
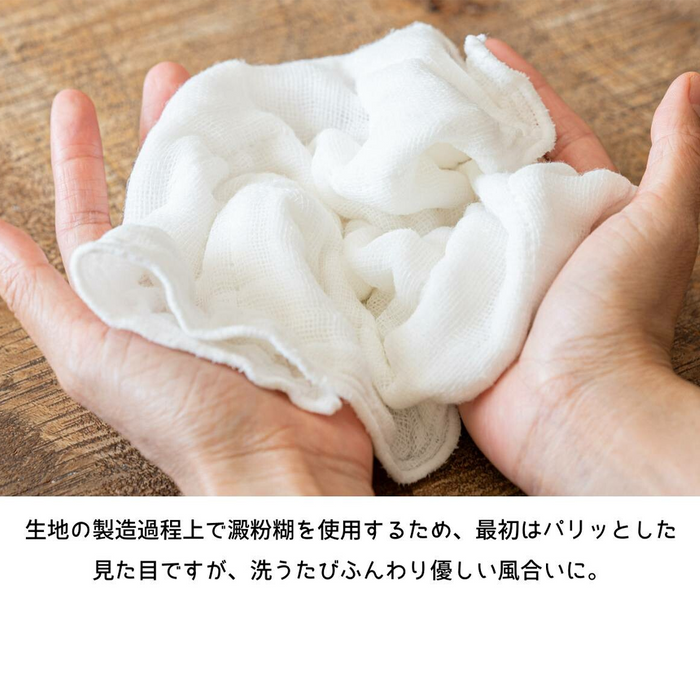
{"x":612,"y":61}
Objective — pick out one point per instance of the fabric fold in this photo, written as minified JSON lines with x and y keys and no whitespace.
{"x":374,"y":228}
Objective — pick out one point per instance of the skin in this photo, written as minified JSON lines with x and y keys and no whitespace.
{"x":591,"y":406}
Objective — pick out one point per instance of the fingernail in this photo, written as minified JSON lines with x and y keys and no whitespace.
{"x":694,"y":92}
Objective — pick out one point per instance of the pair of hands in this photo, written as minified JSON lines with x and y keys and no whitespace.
{"x":591,"y":406}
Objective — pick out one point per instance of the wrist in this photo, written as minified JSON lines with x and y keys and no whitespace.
{"x":632,"y":430}
{"x":283,"y":470}
{"x":668,"y":435}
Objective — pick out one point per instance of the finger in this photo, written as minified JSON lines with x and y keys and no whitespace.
{"x":652,"y":243}
{"x":40,"y":298}
{"x":673,"y":168}
{"x":661,"y":223}
{"x":82,"y":205}
{"x":160,"y":84}
{"x":576,"y":143}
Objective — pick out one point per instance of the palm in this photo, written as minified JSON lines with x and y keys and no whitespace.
{"x":152,"y":391}
{"x":577,"y":328}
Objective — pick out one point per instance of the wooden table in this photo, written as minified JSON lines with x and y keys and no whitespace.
{"x":611,"y":60}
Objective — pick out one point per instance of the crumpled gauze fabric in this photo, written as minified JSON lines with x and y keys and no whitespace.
{"x":374,"y":228}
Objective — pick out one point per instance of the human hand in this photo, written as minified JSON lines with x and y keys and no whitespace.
{"x":203,"y":424}
{"x":592,"y":405}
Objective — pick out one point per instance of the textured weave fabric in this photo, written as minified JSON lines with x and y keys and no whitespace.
{"x":374,"y":228}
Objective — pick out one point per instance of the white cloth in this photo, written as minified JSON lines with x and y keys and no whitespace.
{"x":373,"y":227}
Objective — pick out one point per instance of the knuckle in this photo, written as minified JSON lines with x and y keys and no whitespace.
{"x":80,"y":218}
{"x":73,"y":375}
{"x":572,"y":136}
{"x":682,"y":143}
{"x":79,"y":207}
{"x":73,"y":379}
{"x":17,"y":285}
{"x":19,"y":282}
{"x":78,"y":153}
{"x":70,"y":383}
{"x":654,"y":214}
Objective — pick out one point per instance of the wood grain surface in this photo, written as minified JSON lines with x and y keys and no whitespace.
{"x":611,"y":60}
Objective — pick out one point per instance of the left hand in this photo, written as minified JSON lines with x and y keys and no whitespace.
{"x":202,"y":423}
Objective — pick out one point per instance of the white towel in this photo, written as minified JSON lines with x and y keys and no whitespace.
{"x":374,"y":228}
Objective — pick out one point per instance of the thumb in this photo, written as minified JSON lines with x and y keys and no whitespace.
{"x":660,"y":226}
{"x":673,"y":169}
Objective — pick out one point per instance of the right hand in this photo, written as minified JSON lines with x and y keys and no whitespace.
{"x":592,"y":405}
